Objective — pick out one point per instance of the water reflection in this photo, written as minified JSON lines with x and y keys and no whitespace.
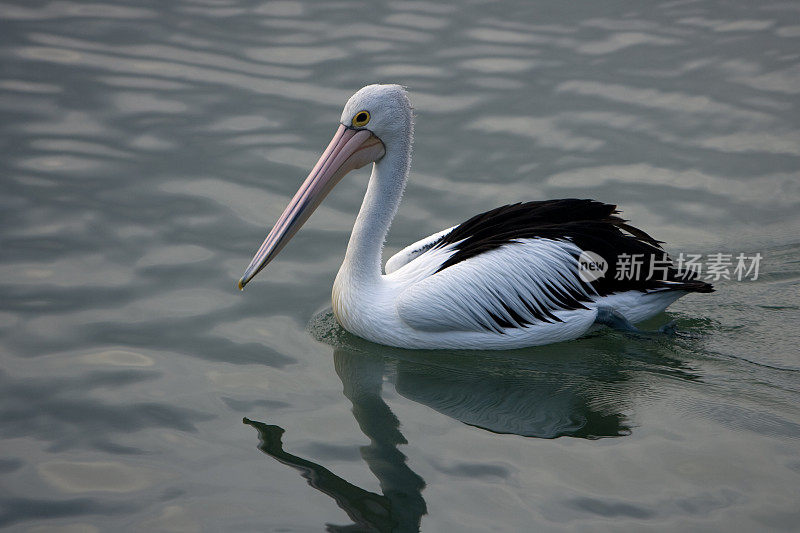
{"x":579,"y":389}
{"x":400,"y":507}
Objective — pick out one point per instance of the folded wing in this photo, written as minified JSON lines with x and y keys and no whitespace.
{"x":517,"y":265}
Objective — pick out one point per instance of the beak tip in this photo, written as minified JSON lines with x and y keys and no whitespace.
{"x":241,"y":284}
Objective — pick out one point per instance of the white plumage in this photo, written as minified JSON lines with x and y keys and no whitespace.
{"x":413,"y":251}
{"x":454,"y":308}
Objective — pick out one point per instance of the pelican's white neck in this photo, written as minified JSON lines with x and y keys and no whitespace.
{"x":362,"y":261}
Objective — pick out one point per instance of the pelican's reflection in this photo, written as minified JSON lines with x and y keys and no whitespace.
{"x":401,"y":507}
{"x":577,"y":389}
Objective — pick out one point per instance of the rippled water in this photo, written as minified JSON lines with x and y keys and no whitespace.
{"x":148,"y":145}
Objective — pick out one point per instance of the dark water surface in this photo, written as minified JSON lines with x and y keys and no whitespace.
{"x":146,"y":147}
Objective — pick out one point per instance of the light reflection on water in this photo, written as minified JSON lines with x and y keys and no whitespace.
{"x":146,"y":148}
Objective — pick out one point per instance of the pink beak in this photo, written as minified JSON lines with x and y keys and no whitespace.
{"x":348,"y":150}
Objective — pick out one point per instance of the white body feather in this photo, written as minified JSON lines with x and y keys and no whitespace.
{"x":415,"y":307}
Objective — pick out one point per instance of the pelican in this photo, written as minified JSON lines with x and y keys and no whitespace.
{"x":507,"y":278}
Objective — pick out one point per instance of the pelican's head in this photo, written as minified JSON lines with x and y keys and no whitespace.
{"x":375,"y":119}
{"x":385,"y":108}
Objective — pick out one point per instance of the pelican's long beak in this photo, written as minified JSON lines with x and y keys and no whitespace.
{"x":349,"y":149}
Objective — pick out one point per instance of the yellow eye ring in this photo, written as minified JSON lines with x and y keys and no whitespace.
{"x":361,"y":119}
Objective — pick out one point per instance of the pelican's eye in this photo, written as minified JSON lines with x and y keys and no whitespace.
{"x":361,"y":119}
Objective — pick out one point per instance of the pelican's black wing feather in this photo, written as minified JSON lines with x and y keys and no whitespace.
{"x":591,"y":225}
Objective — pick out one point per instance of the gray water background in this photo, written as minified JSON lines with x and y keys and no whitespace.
{"x":148,"y":146}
